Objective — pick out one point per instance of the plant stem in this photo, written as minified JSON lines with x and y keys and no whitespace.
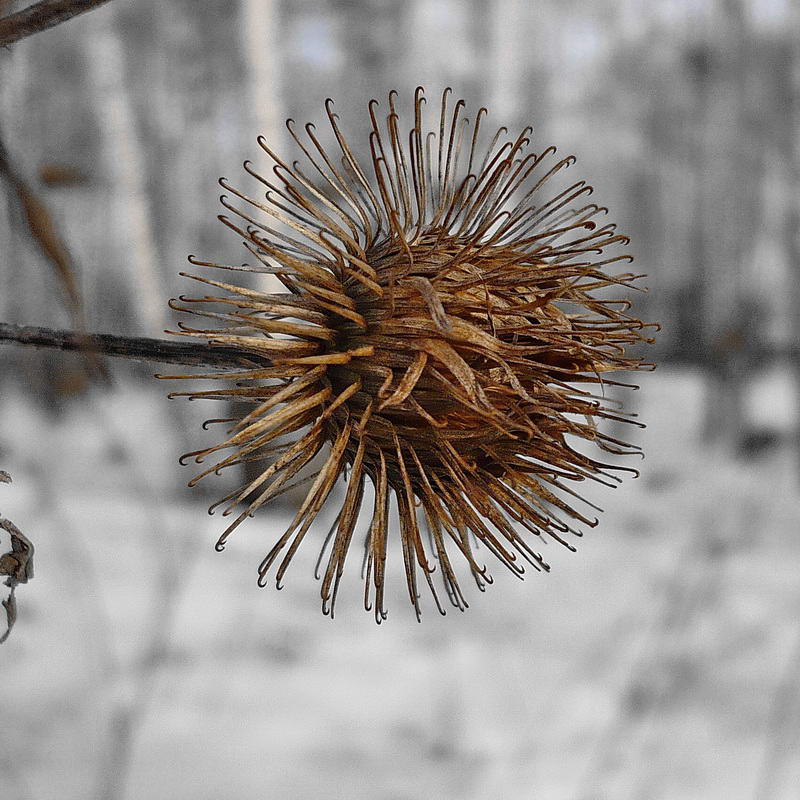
{"x":40,"y":17}
{"x":138,"y":349}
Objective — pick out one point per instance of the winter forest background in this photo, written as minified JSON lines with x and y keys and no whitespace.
{"x":660,"y":661}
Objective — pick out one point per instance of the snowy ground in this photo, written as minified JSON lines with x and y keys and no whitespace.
{"x":660,"y":661}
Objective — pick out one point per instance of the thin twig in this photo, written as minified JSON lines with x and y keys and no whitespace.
{"x":138,"y":349}
{"x":40,"y":17}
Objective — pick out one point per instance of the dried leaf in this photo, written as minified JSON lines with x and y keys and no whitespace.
{"x":44,"y":232}
{"x":17,"y":565}
{"x":61,"y":175}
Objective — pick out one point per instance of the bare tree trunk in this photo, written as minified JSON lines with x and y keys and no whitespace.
{"x":507,"y":20}
{"x":730,"y":208}
{"x":126,"y":163}
{"x":259,"y":27}
{"x":790,"y":90}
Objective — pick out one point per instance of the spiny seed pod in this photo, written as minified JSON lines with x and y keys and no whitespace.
{"x":443,"y":326}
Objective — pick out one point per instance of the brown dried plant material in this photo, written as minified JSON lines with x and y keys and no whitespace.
{"x":62,"y":175}
{"x":44,"y":232}
{"x":447,"y":324}
{"x":42,"y":229}
{"x":17,"y":564}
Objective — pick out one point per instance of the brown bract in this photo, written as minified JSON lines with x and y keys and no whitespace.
{"x":446,"y":326}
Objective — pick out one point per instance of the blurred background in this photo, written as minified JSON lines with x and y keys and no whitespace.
{"x":660,"y":661}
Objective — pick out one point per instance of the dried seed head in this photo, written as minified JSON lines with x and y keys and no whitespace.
{"x":443,"y":327}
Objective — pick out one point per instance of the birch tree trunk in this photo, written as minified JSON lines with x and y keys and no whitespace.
{"x":507,"y":21}
{"x":126,"y":165}
{"x":260,"y":35}
{"x":790,"y":86}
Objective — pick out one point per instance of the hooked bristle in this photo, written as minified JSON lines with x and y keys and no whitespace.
{"x":443,"y":328}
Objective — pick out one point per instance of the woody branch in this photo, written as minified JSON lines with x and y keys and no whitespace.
{"x":135,"y":348}
{"x":40,"y":17}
